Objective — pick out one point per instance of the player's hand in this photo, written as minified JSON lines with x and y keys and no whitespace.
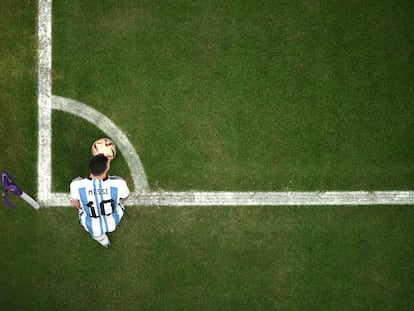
{"x":76,"y":204}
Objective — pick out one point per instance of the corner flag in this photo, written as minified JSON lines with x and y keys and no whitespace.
{"x":10,"y":185}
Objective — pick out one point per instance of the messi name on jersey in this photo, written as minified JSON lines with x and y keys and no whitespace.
{"x":98,"y":191}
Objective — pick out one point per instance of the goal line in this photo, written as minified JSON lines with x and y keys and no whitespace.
{"x":250,"y":198}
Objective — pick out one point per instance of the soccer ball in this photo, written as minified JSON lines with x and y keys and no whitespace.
{"x":104,"y":147}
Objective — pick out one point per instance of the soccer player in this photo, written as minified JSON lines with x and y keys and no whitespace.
{"x":98,"y":199}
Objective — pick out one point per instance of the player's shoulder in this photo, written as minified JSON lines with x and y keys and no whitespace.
{"x":117,"y":181}
{"x":114,"y":177}
{"x":77,"y":179}
{"x":78,"y":182}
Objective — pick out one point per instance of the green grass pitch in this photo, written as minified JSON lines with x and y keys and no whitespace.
{"x":216,"y":95}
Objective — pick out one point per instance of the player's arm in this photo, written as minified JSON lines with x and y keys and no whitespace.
{"x":122,"y":187}
{"x":124,"y":191}
{"x":75,"y":203}
{"x":74,"y":196}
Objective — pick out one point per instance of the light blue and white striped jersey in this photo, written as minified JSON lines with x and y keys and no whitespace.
{"x":101,"y":209}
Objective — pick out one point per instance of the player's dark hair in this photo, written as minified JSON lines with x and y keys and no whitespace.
{"x":98,"y":165}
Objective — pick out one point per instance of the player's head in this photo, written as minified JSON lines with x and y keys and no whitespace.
{"x":98,"y":165}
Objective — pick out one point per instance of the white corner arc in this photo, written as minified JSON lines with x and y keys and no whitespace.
{"x":107,"y":126}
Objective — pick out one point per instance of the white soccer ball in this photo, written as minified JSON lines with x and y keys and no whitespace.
{"x":105,"y":147}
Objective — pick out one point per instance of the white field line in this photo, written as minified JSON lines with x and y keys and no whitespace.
{"x":142,"y":196}
{"x":44,"y":176}
{"x":338,"y":198}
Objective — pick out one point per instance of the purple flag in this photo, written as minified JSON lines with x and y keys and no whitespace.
{"x":9,"y":185}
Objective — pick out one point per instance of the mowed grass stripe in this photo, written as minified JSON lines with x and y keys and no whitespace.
{"x":265,"y":96}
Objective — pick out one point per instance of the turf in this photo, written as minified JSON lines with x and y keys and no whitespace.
{"x":211,"y":259}
{"x":265,"y":95}
{"x":18,"y":103}
{"x":240,"y":95}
